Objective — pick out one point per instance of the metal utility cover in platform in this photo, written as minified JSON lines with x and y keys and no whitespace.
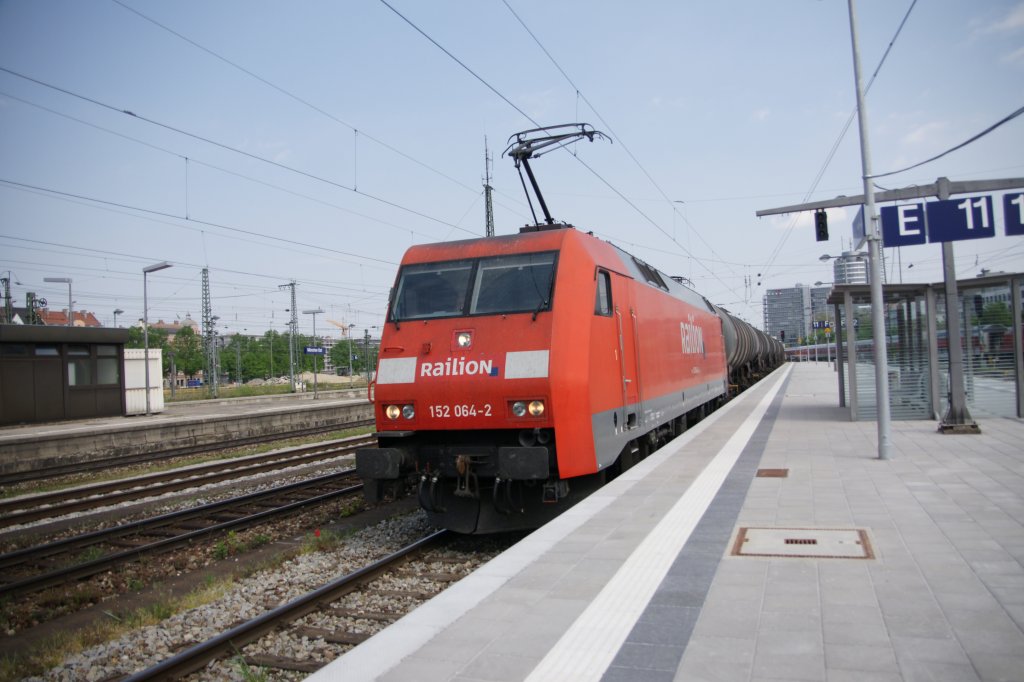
{"x":819,"y":543}
{"x":772,"y":473}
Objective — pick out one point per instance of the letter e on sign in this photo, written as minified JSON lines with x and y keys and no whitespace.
{"x":903,"y":225}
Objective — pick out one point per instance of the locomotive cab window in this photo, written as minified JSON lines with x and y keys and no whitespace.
{"x":485,"y":286}
{"x":513,"y":284}
{"x":432,"y":290}
{"x":603,"y":301}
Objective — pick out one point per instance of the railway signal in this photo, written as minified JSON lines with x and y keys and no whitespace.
{"x":821,"y":226}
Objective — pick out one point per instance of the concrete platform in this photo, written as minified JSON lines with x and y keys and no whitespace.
{"x":184,"y":424}
{"x":640,"y":581}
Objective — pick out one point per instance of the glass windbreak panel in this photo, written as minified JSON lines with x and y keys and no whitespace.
{"x":513,"y":284}
{"x":986,"y":318}
{"x":867,"y":397}
{"x":108,"y":371}
{"x":106,"y":351}
{"x":432,"y":290}
{"x":47,"y":351}
{"x":78,"y":351}
{"x":910,"y":387}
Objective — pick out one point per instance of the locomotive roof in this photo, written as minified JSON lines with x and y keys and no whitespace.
{"x":488,"y":246}
{"x":550,"y":239}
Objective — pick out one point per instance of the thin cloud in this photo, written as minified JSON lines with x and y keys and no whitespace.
{"x":924,"y":134}
{"x":1015,"y":57}
{"x":1014,"y":21}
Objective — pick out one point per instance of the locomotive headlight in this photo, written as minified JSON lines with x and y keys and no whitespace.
{"x":463,"y":340}
{"x":408,"y":411}
{"x":392,"y":411}
{"x":523,"y":408}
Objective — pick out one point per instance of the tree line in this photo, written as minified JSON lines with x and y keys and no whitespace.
{"x":244,"y":358}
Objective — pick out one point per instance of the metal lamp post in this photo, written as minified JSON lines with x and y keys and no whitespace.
{"x":366,"y":351}
{"x":314,"y":313}
{"x":874,"y":237}
{"x":238,"y":357}
{"x":117,"y":311}
{"x":174,"y":374}
{"x":64,"y":280}
{"x":145,"y":318}
{"x":212,"y":350}
{"x":350,"y":377}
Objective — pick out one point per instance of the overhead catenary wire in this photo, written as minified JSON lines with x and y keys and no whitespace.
{"x":293,"y":96}
{"x":538,"y":125}
{"x":235,"y":150}
{"x":106,"y":253}
{"x":212,"y":166}
{"x":165,"y":214}
{"x":581,"y":95}
{"x":975,"y":138}
{"x":835,"y":145}
{"x":149,"y":218}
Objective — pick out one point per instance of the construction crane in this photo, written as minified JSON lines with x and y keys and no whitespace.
{"x":342,"y":326}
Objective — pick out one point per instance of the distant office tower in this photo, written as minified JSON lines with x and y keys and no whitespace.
{"x":789,"y":313}
{"x":851,"y":268}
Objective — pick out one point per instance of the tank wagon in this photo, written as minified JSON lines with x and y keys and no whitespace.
{"x":519,"y":373}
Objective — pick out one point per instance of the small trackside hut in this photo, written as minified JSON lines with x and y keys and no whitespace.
{"x":57,"y":373}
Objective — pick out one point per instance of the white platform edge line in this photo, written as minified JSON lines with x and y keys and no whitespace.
{"x":590,"y":644}
{"x":385,"y":650}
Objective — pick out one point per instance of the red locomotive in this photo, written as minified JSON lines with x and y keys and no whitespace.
{"x":519,"y":373}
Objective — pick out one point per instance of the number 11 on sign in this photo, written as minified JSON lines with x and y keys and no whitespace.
{"x":1013,"y":213}
{"x":968,"y":206}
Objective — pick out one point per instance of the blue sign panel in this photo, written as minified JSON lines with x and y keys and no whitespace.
{"x":859,"y":236}
{"x":1013,"y":213}
{"x":956,"y":219}
{"x":903,"y":225}
{"x":314,"y":350}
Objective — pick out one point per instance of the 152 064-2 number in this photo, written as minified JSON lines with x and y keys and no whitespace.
{"x":460,"y":411}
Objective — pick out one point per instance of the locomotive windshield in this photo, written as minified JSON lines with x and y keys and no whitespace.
{"x":485,"y":286}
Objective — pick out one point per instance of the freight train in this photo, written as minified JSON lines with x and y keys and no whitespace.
{"x":519,"y":373}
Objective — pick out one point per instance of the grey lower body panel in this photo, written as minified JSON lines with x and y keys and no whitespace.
{"x":611,"y":430}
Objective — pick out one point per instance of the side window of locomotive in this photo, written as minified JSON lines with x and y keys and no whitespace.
{"x":603,"y":301}
{"x":513,"y":284}
{"x":432,"y":290}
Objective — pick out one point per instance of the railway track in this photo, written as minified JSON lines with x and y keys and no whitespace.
{"x":30,"y":508}
{"x":409,"y":575}
{"x":170,"y":453}
{"x":36,"y":568}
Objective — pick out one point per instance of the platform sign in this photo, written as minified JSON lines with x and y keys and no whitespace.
{"x":314,"y":350}
{"x":944,"y":221}
{"x":903,"y":225}
{"x":954,"y":219}
{"x":1013,"y":213}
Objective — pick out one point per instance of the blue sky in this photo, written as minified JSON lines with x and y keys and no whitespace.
{"x":727,"y":107}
